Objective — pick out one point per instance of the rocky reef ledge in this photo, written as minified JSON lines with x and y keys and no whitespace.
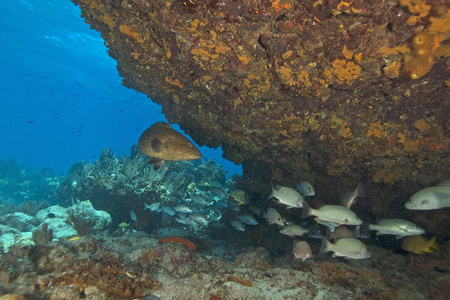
{"x":330,"y":91}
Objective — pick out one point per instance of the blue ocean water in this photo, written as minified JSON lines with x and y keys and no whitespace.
{"x":62,"y":100}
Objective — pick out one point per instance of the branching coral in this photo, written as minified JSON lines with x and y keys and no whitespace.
{"x":82,"y":225}
{"x":43,"y":235}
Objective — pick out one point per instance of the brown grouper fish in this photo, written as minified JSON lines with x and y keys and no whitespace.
{"x":161,"y":143}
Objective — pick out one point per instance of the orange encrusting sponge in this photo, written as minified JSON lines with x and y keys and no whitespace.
{"x":179,"y":240}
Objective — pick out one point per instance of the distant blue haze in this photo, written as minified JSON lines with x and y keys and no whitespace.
{"x":61,"y":99}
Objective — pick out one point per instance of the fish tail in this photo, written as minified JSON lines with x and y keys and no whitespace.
{"x":362,"y":231}
{"x":313,"y":230}
{"x":271,"y":193}
{"x":306,"y":212}
{"x":360,"y":192}
{"x":365,"y":227}
{"x":325,"y":246}
{"x":432,"y":243}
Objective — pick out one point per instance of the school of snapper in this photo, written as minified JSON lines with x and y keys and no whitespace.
{"x":161,"y":143}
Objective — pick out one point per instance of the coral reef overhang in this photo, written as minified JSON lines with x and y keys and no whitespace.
{"x":316,"y":90}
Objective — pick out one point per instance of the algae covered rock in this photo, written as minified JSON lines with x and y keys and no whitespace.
{"x":58,"y":219}
{"x":19,"y":221}
{"x":100,"y":218}
{"x":296,"y":90}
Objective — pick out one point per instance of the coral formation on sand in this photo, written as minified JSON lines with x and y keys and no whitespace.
{"x":325,"y":90}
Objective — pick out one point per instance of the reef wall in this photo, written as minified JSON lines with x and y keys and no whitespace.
{"x":333,"y":92}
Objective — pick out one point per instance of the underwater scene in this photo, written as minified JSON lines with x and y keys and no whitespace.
{"x":280,"y":159}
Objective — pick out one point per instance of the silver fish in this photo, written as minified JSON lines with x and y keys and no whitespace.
{"x":182,"y":208}
{"x":247,"y":219}
{"x":293,"y":230}
{"x":168,"y":210}
{"x":183,"y":219}
{"x":199,"y":199}
{"x":233,"y":205}
{"x":301,"y":249}
{"x":153,"y":207}
{"x":331,"y":226}
{"x":349,"y":248}
{"x":133,"y":215}
{"x":287,"y":196}
{"x":332,"y":213}
{"x":274,"y":217}
{"x":340,"y":233}
{"x":306,"y":189}
{"x":350,"y":197}
{"x":238,"y":225}
{"x":198,"y":218}
{"x":397,"y":227}
{"x":218,"y":192}
{"x":435,"y":197}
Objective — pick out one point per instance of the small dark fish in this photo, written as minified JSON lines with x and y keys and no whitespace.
{"x":79,"y":127}
{"x":26,"y":74}
{"x":51,"y":215}
{"x":30,"y":122}
{"x":79,"y":84}
{"x":77,"y":95}
{"x":120,"y":110}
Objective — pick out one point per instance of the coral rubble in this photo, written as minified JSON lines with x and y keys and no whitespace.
{"x":136,"y":266}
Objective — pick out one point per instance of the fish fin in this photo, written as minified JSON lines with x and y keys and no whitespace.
{"x":156,"y":162}
{"x":271,"y":193}
{"x":156,"y":145}
{"x":324,"y":248}
{"x":432,"y":243}
{"x":351,"y":195}
{"x":362,"y":231}
{"x":313,"y":230}
{"x":360,"y":192}
{"x":346,"y":200}
{"x":306,"y":212}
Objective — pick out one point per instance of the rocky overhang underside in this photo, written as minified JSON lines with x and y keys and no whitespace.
{"x":333,"y":92}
